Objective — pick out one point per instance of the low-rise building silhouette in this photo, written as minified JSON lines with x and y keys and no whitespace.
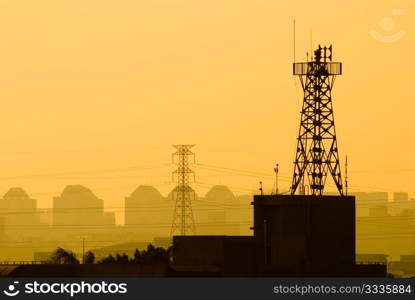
{"x":19,"y":213}
{"x":293,"y":236}
{"x":79,"y":210}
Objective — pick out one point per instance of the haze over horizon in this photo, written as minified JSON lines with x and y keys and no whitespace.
{"x":95,"y":93}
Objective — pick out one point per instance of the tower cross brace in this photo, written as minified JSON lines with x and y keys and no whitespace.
{"x":183,"y":194}
{"x":317,"y":152}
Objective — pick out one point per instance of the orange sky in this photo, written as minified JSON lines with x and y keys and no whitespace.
{"x":99,"y":84}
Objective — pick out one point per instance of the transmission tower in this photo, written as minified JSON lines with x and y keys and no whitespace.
{"x":183,"y":194}
{"x":317,"y":152}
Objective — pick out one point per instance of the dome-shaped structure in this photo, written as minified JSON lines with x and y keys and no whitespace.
{"x":77,"y":205}
{"x":15,"y":193}
{"x":146,"y":205}
{"x":170,"y":195}
{"x":78,"y":191}
{"x":17,"y":198}
{"x":18,"y":212}
{"x":220,"y":193}
{"x":146,"y":192}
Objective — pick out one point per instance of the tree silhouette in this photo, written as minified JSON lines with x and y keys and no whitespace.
{"x":152,"y":255}
{"x":107,"y":260}
{"x":89,"y":258}
{"x":121,"y":259}
{"x":62,"y":256}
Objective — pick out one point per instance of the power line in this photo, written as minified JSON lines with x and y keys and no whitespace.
{"x":88,"y":172}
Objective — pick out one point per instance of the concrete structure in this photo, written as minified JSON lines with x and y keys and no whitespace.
{"x":382,"y":232}
{"x":366,"y":200}
{"x":78,"y":208}
{"x":307,"y":235}
{"x":214,"y":256}
{"x":137,"y":205}
{"x":221,"y":221}
{"x":2,"y":228}
{"x":87,"y":270}
{"x":46,"y":215}
{"x":372,"y":259}
{"x":293,"y":236}
{"x":405,"y":267}
{"x":379,"y":211}
{"x":400,"y":196}
{"x":19,"y":212}
{"x":148,"y":213}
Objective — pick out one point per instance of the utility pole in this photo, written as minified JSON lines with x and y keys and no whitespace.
{"x":317,"y":152}
{"x":183,"y":194}
{"x":345,"y":176}
{"x":83,"y":251}
{"x":276,"y":170}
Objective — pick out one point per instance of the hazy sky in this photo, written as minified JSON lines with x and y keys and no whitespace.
{"x":100,"y":84}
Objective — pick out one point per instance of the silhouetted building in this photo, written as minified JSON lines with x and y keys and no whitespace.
{"x":79,"y":210}
{"x":408,"y":214}
{"x":2,"y":227}
{"x":148,"y":213}
{"x":108,"y":218}
{"x":222,"y":193}
{"x":378,"y":211}
{"x":372,"y":259}
{"x":218,"y":212}
{"x":214,"y":256}
{"x":293,"y":236}
{"x":216,"y":222}
{"x":401,"y":202}
{"x":382,"y":232}
{"x":387,"y":228}
{"x":400,"y":196}
{"x":85,"y":270}
{"x":245,"y":214}
{"x":20,"y":213}
{"x":305,"y":235}
{"x":366,"y":200}
{"x":138,"y":203}
{"x":405,"y":267}
{"x":45,"y":215}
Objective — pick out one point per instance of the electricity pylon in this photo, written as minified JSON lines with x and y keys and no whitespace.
{"x":183,"y":194}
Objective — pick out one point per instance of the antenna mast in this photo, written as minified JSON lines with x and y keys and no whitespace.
{"x":346,"y":178}
{"x":294,"y":40}
{"x":311,"y":43}
{"x":317,"y":152}
{"x":276,"y":170}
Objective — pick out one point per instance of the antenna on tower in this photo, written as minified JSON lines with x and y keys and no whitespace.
{"x":346,"y":178}
{"x":317,"y":152}
{"x":294,"y":40}
{"x":276,"y":170}
{"x":311,"y":44}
